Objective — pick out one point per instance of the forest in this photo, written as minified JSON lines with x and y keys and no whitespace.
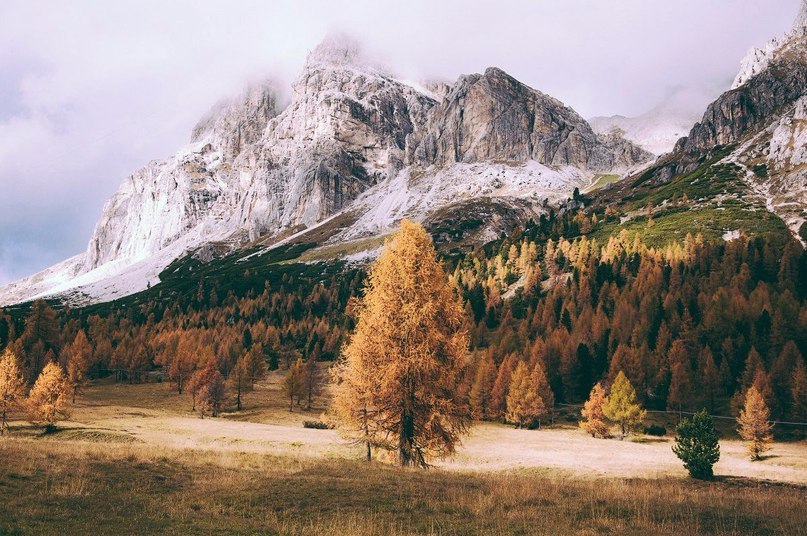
{"x":692,"y":324}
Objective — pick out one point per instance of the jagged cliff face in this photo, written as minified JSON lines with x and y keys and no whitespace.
{"x":353,"y":139}
{"x":251,"y":169}
{"x":493,"y":116}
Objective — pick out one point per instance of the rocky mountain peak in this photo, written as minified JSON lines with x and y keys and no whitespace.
{"x":336,"y":49}
{"x":757,"y":59}
{"x":493,"y":116}
{"x":235,"y":122}
{"x":353,"y":141}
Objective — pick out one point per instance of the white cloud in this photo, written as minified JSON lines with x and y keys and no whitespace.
{"x":89,"y":91}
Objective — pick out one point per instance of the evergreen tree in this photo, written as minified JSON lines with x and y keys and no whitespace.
{"x":798,"y":392}
{"x":409,"y":335}
{"x":755,"y":427}
{"x":621,"y":407}
{"x":696,"y":445}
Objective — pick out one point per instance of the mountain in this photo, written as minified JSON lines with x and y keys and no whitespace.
{"x":743,"y":161}
{"x":353,"y":152}
{"x":658,"y":129}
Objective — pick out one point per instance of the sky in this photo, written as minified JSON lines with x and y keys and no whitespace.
{"x":91,"y":91}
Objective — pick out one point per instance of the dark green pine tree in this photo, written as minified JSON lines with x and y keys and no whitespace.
{"x":697,"y":446}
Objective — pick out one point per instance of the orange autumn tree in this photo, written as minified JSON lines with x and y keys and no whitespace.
{"x":594,"y":420}
{"x":12,"y":386}
{"x":49,"y":396}
{"x":755,"y":427}
{"x":396,"y":386}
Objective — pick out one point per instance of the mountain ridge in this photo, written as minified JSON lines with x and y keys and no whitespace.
{"x":254,"y":171}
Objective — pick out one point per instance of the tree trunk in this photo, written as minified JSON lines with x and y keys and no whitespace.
{"x":291,"y":403}
{"x":238,"y":397}
{"x":3,"y":425}
{"x":369,"y":452}
{"x":407,"y":431}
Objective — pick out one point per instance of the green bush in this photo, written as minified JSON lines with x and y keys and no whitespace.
{"x":697,"y":446}
{"x":655,"y":430}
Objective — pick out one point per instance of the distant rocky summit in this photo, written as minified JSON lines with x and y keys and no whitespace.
{"x":354,"y":140}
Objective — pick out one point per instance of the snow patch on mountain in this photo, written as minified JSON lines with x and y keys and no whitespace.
{"x":414,"y":194}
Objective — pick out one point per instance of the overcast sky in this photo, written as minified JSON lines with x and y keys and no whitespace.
{"x":90,"y":91}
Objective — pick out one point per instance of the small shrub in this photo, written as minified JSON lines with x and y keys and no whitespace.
{"x":696,"y":445}
{"x":50,"y":428}
{"x":317,"y":425}
{"x":655,"y":430}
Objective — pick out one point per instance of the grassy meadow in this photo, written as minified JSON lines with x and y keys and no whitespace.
{"x":133,"y":459}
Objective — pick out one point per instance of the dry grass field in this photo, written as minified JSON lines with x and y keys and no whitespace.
{"x":133,"y":459}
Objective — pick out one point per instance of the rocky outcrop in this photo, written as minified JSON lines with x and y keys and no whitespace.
{"x":763,"y":123}
{"x":350,"y":131}
{"x":493,"y":116}
{"x":251,"y":170}
{"x":750,"y":106}
{"x":233,"y":124}
{"x":757,"y":59}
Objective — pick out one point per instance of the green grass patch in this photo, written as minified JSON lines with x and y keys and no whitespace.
{"x":600,"y":181}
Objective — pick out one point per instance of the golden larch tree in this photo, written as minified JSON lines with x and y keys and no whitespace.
{"x":755,"y":427}
{"x":78,"y":360}
{"x":594,"y":420}
{"x":249,"y":368}
{"x":498,"y":395}
{"x":798,"y":392}
{"x":397,"y":385}
{"x":529,"y":398}
{"x":12,"y":386}
{"x":621,"y":407}
{"x":480,"y":394}
{"x":293,"y":382}
{"x":522,"y":398}
{"x":49,"y":396}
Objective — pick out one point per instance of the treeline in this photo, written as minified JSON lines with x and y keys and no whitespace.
{"x":299,"y":318}
{"x":690,"y":324}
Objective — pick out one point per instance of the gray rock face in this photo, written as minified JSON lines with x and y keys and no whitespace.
{"x":765,"y":119}
{"x":758,"y":97}
{"x":749,"y":107}
{"x":251,"y":169}
{"x":495,"y":117}
{"x":255,"y":171}
{"x":233,"y":124}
